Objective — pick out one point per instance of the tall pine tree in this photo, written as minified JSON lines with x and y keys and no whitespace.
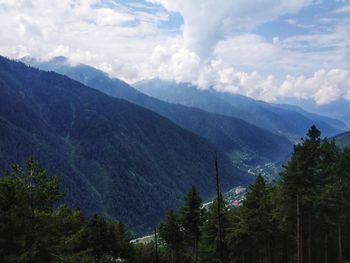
{"x":191,"y":218}
{"x":299,"y":177}
{"x":170,"y":232}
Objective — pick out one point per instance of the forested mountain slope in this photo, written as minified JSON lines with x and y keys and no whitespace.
{"x":244,"y":143}
{"x":343,"y":140}
{"x":268,"y":116}
{"x":113,"y":157}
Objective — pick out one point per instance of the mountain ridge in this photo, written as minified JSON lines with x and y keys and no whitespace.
{"x":231,"y":135}
{"x":277,"y":120}
{"x":113,"y":157}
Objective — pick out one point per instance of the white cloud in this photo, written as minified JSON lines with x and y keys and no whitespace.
{"x":303,"y":54}
{"x":291,"y":21}
{"x":172,"y":61}
{"x":344,"y":9}
{"x":217,"y":45}
{"x":86,"y":31}
{"x":207,"y":22}
{"x":324,"y":86}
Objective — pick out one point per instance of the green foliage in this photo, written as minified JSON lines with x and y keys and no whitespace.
{"x":192,"y":217}
{"x":308,"y":211}
{"x":34,"y":229}
{"x":171,"y":234}
{"x":254,"y":225}
{"x":267,"y":226}
{"x":212,"y":249}
{"x":26,"y":199}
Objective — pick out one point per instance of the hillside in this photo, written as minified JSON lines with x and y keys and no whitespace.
{"x":277,"y":120}
{"x":246,"y":144}
{"x":343,"y":140}
{"x":338,"y":109}
{"x":113,"y":157}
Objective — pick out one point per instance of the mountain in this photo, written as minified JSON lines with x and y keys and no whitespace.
{"x":314,"y":116}
{"x":343,"y":139}
{"x":277,"y":120}
{"x":245,"y":144}
{"x":113,"y":157}
{"x":338,"y":109}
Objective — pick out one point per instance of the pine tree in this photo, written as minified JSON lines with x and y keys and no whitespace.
{"x":27,"y":196}
{"x":255,"y":226}
{"x":97,"y":237}
{"x":120,"y":240}
{"x":299,"y":176}
{"x":170,"y":232}
{"x":191,"y":219}
{"x":342,"y":188}
{"x":326,"y":195}
{"x":212,"y":249}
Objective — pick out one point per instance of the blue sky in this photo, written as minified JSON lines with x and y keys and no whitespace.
{"x":263,"y":49}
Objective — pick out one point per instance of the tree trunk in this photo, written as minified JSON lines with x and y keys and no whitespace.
{"x":309,"y":239}
{"x":340,"y":246}
{"x":195,"y":258}
{"x":299,"y":257}
{"x":269,"y":255}
{"x":326,"y":247}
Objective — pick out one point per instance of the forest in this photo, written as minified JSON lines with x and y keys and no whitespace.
{"x":303,"y":217}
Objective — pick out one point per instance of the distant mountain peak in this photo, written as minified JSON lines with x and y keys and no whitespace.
{"x":54,"y":60}
{"x":60,"y":59}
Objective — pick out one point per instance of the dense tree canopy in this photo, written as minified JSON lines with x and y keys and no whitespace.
{"x":304,"y":217}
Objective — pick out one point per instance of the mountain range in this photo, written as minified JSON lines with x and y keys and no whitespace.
{"x":338,"y":109}
{"x":131,"y":152}
{"x":113,"y":157}
{"x":245,"y":144}
{"x":279,"y":120}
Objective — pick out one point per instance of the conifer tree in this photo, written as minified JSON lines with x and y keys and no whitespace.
{"x":342,"y":187}
{"x":299,"y":176}
{"x":212,"y":249}
{"x":191,"y":219}
{"x":97,"y":237}
{"x":26,"y":199}
{"x":256,"y":224}
{"x":326,"y":195}
{"x":170,"y":232}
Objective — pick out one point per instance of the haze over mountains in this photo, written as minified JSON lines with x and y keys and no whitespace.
{"x":279,"y":120}
{"x":338,"y":109}
{"x":252,"y":133}
{"x":242,"y":142}
{"x":113,"y":157}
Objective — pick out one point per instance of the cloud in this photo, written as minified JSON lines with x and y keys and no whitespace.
{"x":173,"y":61}
{"x":219,"y":44}
{"x":207,"y":22}
{"x":291,"y":21}
{"x":324,"y":86}
{"x":344,"y":9}
{"x":301,"y":54}
{"x":87,"y":30}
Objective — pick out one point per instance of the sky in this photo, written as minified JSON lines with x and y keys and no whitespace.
{"x":265,"y":49}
